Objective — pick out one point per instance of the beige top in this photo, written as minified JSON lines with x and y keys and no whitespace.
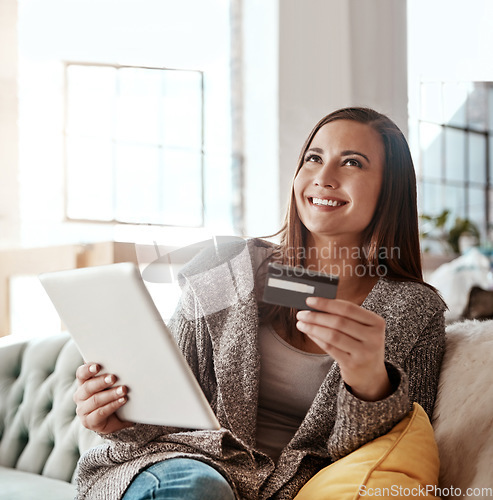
{"x":289,"y":380}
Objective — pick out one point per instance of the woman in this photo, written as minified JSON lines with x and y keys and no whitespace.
{"x":293,"y":390}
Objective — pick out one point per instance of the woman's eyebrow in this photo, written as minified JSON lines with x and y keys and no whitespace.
{"x":349,"y":152}
{"x":315,"y":150}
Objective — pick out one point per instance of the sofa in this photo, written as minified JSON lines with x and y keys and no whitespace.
{"x":41,"y":438}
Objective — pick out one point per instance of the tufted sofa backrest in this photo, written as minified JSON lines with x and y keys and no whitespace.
{"x":39,"y":430}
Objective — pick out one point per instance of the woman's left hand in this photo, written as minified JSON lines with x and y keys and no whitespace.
{"x":355,"y":338}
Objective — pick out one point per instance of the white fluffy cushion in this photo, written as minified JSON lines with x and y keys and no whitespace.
{"x":463,"y":417}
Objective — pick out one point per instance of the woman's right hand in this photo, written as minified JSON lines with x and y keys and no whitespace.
{"x":97,"y":400}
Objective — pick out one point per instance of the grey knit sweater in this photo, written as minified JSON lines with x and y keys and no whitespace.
{"x":216,"y":326}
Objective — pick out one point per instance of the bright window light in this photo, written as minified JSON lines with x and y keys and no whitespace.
{"x":134,"y":145}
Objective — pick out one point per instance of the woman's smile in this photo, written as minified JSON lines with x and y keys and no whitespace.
{"x":326,"y":203}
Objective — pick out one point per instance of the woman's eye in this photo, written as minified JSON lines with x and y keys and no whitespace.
{"x":351,"y":162}
{"x":313,"y":158}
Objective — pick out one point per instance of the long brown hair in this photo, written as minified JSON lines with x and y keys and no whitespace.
{"x":391,"y":239}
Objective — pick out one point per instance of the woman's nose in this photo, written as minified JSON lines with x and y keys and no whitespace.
{"x":326,"y":177}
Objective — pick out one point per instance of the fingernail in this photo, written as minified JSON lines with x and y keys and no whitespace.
{"x":119,"y":391}
{"x":121,"y":400}
{"x":93,"y":368}
{"x":108,"y":379}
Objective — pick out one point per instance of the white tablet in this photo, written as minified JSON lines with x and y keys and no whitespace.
{"x":114,"y":322}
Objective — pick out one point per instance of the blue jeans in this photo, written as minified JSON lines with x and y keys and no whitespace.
{"x":179,"y":478}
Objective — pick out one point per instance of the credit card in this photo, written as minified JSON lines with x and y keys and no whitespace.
{"x":290,"y":286}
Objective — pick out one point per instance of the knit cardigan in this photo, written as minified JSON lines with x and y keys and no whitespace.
{"x":216,"y":326}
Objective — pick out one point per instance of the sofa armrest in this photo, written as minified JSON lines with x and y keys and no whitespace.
{"x":463,"y":414}
{"x":39,"y":430}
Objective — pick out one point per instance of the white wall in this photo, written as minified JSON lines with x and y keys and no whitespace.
{"x":451,"y":39}
{"x":330,"y":54}
{"x":379,"y":61}
{"x":261,"y":116}
{"x":314,"y":74}
{"x":9,"y":186}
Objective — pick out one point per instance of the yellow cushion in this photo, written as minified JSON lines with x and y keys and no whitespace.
{"x":400,"y":464}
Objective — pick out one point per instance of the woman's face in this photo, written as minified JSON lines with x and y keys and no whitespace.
{"x":337,"y":188}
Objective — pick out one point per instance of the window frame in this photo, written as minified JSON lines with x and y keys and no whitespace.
{"x":114,"y":140}
{"x":442,"y":181}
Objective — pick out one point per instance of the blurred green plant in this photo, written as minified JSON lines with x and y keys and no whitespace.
{"x":435,"y":228}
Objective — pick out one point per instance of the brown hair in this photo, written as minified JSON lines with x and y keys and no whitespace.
{"x":395,"y":222}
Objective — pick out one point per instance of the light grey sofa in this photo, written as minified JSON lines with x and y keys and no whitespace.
{"x":41,"y":438}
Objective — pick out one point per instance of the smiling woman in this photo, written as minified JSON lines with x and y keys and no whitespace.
{"x":294,"y":390}
{"x":353,"y":205}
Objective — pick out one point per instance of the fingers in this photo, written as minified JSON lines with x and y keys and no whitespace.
{"x":328,"y":338}
{"x":97,"y":399}
{"x":358,"y":331}
{"x":99,"y":412}
{"x":343,"y":329}
{"x":93,"y":385}
{"x":98,"y":391}
{"x":86,"y":371}
{"x":100,"y":400}
{"x":345,"y":309}
{"x":88,"y":400}
{"x":311,"y":322}
{"x":338,"y":350}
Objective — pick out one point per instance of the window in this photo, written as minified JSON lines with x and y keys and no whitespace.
{"x":134,"y":145}
{"x":455,"y":139}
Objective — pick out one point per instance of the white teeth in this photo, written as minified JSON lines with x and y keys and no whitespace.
{"x":329,"y":203}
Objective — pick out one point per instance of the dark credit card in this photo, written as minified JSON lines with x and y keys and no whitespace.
{"x":290,"y":286}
